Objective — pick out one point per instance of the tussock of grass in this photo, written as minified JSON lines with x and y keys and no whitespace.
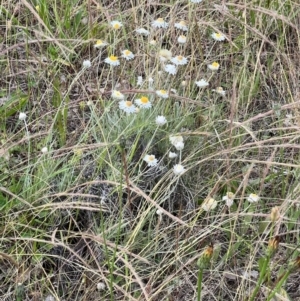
{"x":87,"y":218}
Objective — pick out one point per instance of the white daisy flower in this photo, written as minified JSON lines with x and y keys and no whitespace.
{"x":202,"y":83}
{"x":172,"y":155}
{"x":175,"y":139}
{"x":214,"y":66}
{"x":165,"y":55}
{"x":209,"y":204}
{"x":181,"y":39}
{"x":100,"y":44}
{"x":179,"y":145}
{"x":162,"y":93}
{"x":44,"y":150}
{"x":143,"y":102}
{"x":171,"y":69}
{"x":179,"y":60}
{"x":160,"y":120}
{"x":22,"y":116}
{"x":128,"y":55}
{"x":160,"y":23}
{"x":253,"y":198}
{"x":143,"y":31}
{"x":178,"y":169}
{"x":127,"y":106}
{"x":158,"y":212}
{"x":86,"y":64}
{"x":139,"y":81}
{"x":153,"y":42}
{"x":117,"y":95}
{"x":218,"y":36}
{"x":112,"y":60}
{"x":228,"y":198}
{"x":101,"y":286}
{"x":220,"y":91}
{"x":150,"y":160}
{"x":116,"y":24}
{"x":181,"y":25}
{"x":196,"y":1}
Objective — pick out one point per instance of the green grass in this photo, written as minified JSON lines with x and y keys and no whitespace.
{"x":88,"y":219}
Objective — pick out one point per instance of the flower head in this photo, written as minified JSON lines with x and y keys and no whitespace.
{"x":220,"y":91}
{"x":162,"y":93}
{"x":196,"y":1}
{"x":100,"y":286}
{"x":179,"y":60}
{"x":178,"y":169}
{"x":160,"y":120}
{"x":150,"y":160}
{"x":44,"y":150}
{"x":214,"y":66}
{"x":172,"y":155}
{"x":171,"y":69}
{"x":116,"y":24}
{"x":158,"y":212}
{"x":153,"y":42}
{"x":86,"y":64}
{"x":112,"y":60}
{"x":22,"y":116}
{"x":175,"y":139}
{"x":181,"y":39}
{"x":142,"y":31}
{"x":127,"y":106}
{"x":275,"y":214}
{"x":128,"y":55}
{"x":160,"y":23}
{"x":179,"y":145}
{"x":202,"y":83}
{"x":228,"y":198}
{"x":218,"y":36}
{"x":181,"y":25}
{"x":117,"y":95}
{"x":209,"y":204}
{"x":165,"y":55}
{"x":139,"y":81}
{"x":100,"y":44}
{"x":253,"y":198}
{"x":143,"y":102}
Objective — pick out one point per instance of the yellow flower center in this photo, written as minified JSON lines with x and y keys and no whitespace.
{"x":160,"y":20}
{"x":215,"y":64}
{"x":219,"y":35}
{"x":144,"y":99}
{"x":113,"y":58}
{"x":179,"y":58}
{"x":99,"y":42}
{"x":182,"y":23}
{"x":127,"y":52}
{"x":128,"y":103}
{"x":151,"y":158}
{"x":116,"y":26}
{"x":163,"y":91}
{"x":219,"y":89}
